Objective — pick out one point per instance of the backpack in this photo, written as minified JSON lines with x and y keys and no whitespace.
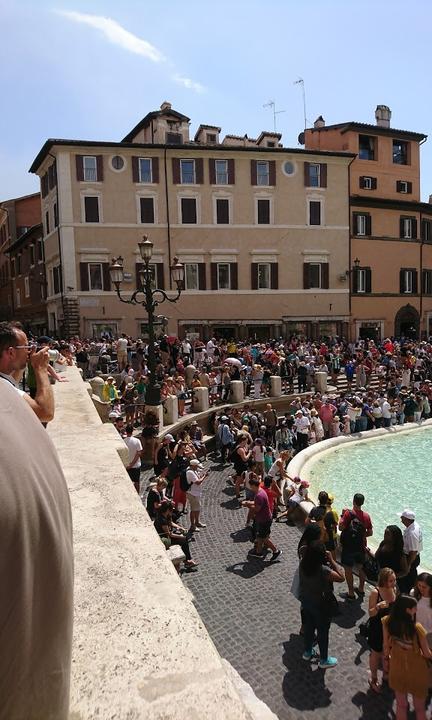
{"x":352,"y":536}
{"x":184,"y":484}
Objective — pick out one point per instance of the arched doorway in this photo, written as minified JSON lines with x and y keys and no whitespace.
{"x":407,"y":322}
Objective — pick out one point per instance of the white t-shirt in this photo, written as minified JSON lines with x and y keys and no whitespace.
{"x":413,"y":538}
{"x":299,"y":493}
{"x":195,"y":487}
{"x":302,"y":425}
{"x":386,"y":410}
{"x":133,"y":444}
{"x":9,"y":379}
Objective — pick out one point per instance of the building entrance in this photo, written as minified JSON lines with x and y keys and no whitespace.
{"x":407,"y":323}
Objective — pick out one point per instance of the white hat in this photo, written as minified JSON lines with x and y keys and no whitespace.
{"x":195,"y":463}
{"x":407,"y":514}
{"x":169,"y":437}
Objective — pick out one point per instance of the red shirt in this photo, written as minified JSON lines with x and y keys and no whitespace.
{"x":326,"y":412}
{"x":364,"y":518}
{"x":271,"y":497}
{"x":262,"y":507}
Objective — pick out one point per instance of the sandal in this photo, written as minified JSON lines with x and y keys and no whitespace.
{"x":375,"y":686}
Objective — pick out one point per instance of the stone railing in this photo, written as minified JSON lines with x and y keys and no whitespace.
{"x":140,"y":648}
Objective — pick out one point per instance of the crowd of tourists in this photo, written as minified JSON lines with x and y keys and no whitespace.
{"x":382,"y":384}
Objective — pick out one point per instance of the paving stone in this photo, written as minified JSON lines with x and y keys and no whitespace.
{"x":254,"y":620}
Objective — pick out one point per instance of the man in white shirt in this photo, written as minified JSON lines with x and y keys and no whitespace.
{"x":15,"y":352}
{"x":186,"y":351}
{"x":210,"y":347}
{"x":386,"y":412}
{"x":134,"y":446}
{"x":413,"y":545}
{"x":301,"y":426}
{"x":195,"y":480}
{"x":122,"y":345}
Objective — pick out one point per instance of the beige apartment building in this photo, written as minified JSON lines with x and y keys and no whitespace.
{"x":391,"y":229}
{"x":263,"y":231}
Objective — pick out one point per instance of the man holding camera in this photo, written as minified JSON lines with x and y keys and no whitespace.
{"x":15,"y":352}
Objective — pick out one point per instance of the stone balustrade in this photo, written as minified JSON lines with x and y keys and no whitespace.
{"x":140,"y":648}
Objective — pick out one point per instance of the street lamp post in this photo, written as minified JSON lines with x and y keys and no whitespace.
{"x":152,"y":297}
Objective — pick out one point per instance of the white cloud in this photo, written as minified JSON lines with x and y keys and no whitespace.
{"x":188,"y":83}
{"x":116,"y":34}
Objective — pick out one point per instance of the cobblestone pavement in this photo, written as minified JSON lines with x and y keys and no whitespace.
{"x":254,"y":620}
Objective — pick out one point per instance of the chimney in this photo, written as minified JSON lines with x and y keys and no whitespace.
{"x":383,"y":116}
{"x":430,"y":199}
{"x":165,"y":105}
{"x":319,"y":122}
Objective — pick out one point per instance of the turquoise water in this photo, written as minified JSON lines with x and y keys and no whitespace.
{"x":392,"y":473}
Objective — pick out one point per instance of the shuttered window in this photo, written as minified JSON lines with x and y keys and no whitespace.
{"x":222,"y":211}
{"x":362,"y":224}
{"x":427,"y":282}
{"x":147,"y":210}
{"x":315,"y":275}
{"x":408,"y":281}
{"x":95,"y":276}
{"x":263,"y":211}
{"x":89,"y":168}
{"x":188,"y":211}
{"x":426,"y":231}
{"x":91,"y":208}
{"x":315,"y":174}
{"x":145,"y":170}
{"x":56,"y":280}
{"x":402,"y":186}
{"x":191,"y":276}
{"x":408,"y":228}
{"x":314,"y":212}
{"x":264,"y":276}
{"x":362,"y":280}
{"x":221,"y":172}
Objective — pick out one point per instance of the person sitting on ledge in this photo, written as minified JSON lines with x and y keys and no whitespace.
{"x":171,"y":533}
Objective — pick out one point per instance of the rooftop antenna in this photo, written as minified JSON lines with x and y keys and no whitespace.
{"x":300,"y":81}
{"x":272,"y":104}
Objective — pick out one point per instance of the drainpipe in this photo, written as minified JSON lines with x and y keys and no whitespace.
{"x":349,"y":251}
{"x":421,"y":256}
{"x":59,"y":241}
{"x":167,"y":216}
{"x":421,"y":272}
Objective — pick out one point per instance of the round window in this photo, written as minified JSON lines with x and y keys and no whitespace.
{"x":289,"y":168}
{"x":117,"y":162}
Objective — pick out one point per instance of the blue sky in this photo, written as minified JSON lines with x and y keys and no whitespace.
{"x":92,"y":69}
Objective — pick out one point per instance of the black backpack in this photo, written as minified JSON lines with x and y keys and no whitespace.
{"x":352,"y":537}
{"x":184,"y":484}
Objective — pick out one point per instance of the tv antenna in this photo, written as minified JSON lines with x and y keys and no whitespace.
{"x":272,"y":104}
{"x":300,"y":81}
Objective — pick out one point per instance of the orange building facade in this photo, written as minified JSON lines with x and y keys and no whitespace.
{"x":22,"y":274}
{"x":390,"y":253}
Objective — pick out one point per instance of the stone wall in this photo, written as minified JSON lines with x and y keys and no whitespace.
{"x":140,"y":648}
